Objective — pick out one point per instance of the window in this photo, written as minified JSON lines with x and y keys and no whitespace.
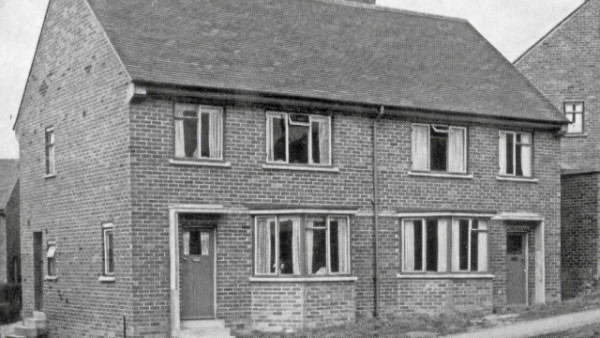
{"x":435,"y":244}
{"x":298,"y":138}
{"x":439,"y":148}
{"x":515,"y":154}
{"x":198,"y":132}
{"x":50,"y":257}
{"x":574,"y":113}
{"x":50,"y":163}
{"x":108,"y":249}
{"x":295,"y":245}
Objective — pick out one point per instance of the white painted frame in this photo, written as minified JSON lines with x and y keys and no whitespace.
{"x":465,"y":147}
{"x":514,"y":150}
{"x":107,"y":227}
{"x":179,"y":108}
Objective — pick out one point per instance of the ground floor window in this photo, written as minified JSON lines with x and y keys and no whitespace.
{"x":302,"y":245}
{"x":444,"y":245}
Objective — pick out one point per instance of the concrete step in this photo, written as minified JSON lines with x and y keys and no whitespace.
{"x":213,"y":332}
{"x":39,"y":324}
{"x":202,"y":324}
{"x":26,"y":331}
{"x":39,"y":315}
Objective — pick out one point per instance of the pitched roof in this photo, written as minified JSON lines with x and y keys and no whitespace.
{"x":330,"y":50}
{"x":9,"y":174}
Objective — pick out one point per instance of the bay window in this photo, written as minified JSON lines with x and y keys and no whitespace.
{"x":302,"y":245}
{"x":439,"y":148}
{"x":443,"y":245}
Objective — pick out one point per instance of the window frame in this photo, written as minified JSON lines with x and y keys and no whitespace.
{"x":50,"y":151}
{"x":51,"y":259}
{"x":514,"y":152}
{"x":302,"y":251}
{"x":180,"y":107}
{"x":574,"y":103}
{"x":449,"y":246}
{"x":447,"y":132}
{"x":286,"y":115}
{"x":108,"y":228}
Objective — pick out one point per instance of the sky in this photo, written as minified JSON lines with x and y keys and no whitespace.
{"x":511,"y":26}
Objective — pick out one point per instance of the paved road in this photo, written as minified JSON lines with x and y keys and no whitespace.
{"x":537,"y":327}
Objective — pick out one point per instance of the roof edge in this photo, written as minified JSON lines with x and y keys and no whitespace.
{"x":552,"y":30}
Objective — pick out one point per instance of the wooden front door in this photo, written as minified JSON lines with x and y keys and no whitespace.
{"x":197,"y":264}
{"x":516,"y":268}
{"x":38,"y":270}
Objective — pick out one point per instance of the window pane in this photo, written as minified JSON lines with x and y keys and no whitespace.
{"x":409,"y":246}
{"x":339,"y":249}
{"x":576,"y":125}
{"x":456,"y":152}
{"x":420,"y":147}
{"x":279,"y":138}
{"x":439,"y":150}
{"x":432,"y":245}
{"x":110,"y":257}
{"x":204,"y":243}
{"x":510,"y":153}
{"x":190,"y":135}
{"x":195,"y":244}
{"x":334,"y":246}
{"x":474,"y":247}
{"x":463,"y":244}
{"x":286,"y":252}
{"x":518,"y":158}
{"x":316,"y":144}
{"x":204,"y":134}
{"x":316,"y":247}
{"x":298,"y":144}
{"x":418,"y":245}
{"x":265,"y":246}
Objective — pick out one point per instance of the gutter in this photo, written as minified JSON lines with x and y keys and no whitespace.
{"x":376,"y":216}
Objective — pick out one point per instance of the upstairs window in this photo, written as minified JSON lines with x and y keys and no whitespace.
{"x":50,"y":162}
{"x":298,"y":139}
{"x":51,"y":259}
{"x":198,"y":132}
{"x":439,"y":148}
{"x":574,"y":113}
{"x":515,"y":154}
{"x":108,"y":245}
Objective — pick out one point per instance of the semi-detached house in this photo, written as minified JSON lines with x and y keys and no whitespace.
{"x":278,"y":165}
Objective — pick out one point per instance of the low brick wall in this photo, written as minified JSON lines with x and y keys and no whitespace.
{"x":433,"y":296}
{"x":294,"y":305}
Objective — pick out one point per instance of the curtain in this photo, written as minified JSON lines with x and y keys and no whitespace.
{"x":216,"y":134}
{"x":456,"y":151}
{"x":343,"y":244}
{"x":526,"y":158}
{"x":309,"y":248}
{"x":420,"y":147}
{"x":455,"y":246}
{"x":482,"y":247}
{"x":409,"y":246}
{"x":324,"y":141}
{"x":442,"y":245}
{"x":263,"y":246}
{"x":270,"y":153}
{"x":296,"y":243}
{"x":502,"y":153}
{"x":179,"y":139}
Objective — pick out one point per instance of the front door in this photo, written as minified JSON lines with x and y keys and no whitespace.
{"x":197,"y":264}
{"x":516,"y":269}
{"x":38,"y":270}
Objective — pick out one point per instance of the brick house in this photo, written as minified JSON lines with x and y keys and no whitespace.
{"x":562,"y":65}
{"x":278,"y":165}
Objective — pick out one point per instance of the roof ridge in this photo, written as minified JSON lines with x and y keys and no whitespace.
{"x":352,"y":3}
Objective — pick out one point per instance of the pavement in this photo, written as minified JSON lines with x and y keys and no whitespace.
{"x":537,"y":327}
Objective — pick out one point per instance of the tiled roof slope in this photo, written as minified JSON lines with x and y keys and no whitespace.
{"x":9,"y":174}
{"x":320,"y":49}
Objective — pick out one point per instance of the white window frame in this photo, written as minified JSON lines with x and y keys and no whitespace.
{"x":180,"y":108}
{"x":574,"y":104}
{"x":514,"y":152}
{"x":50,"y":151}
{"x":51,"y":255}
{"x":469,"y":243}
{"x":435,"y":126}
{"x":285,"y":115}
{"x":108,"y":228}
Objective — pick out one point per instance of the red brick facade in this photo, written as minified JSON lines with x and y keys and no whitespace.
{"x":113,"y":165}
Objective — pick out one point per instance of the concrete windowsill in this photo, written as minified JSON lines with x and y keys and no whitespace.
{"x":302,"y":279}
{"x":106,"y":279}
{"x":51,"y":278}
{"x":575,"y":135}
{"x":517,"y":179}
{"x":47,"y":176}
{"x":301,"y":168}
{"x":199,"y":163}
{"x":440,"y":175}
{"x":445,"y":276}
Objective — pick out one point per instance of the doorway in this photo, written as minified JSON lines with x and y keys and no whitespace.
{"x":197,"y":264}
{"x":38,"y":270}
{"x":516,"y":268}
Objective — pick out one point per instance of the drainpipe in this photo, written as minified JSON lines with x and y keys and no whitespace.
{"x":376,"y":215}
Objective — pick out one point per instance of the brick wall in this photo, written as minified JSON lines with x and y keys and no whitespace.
{"x":76,"y":85}
{"x":13,"y":244}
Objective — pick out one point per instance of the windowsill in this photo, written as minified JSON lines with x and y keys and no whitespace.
{"x":576,"y":135}
{"x":517,"y":179}
{"x":47,"y":176}
{"x":301,"y":168}
{"x":446,"y":276}
{"x":200,"y":163}
{"x":440,"y":174}
{"x":106,"y":279}
{"x":303,"y":279}
{"x":51,"y":278}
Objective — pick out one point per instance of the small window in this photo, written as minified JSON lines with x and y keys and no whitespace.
{"x":439,"y":148}
{"x":574,"y":113}
{"x":515,"y":151}
{"x":198,"y":132}
{"x":51,"y":259}
{"x":109,"y":251}
{"x":298,"y":138}
{"x":50,"y":161}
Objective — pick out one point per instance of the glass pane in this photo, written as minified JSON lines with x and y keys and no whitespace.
{"x":510,"y":153}
{"x":186,"y":243}
{"x":195,"y":243}
{"x":190,"y":135}
{"x":518,"y":158}
{"x":316,"y":243}
{"x":286,"y":252}
{"x":578,"y":107}
{"x":474,"y":246}
{"x":204,"y":134}
{"x":278,"y":138}
{"x":439,"y":150}
{"x":298,"y":144}
{"x":418,"y":245}
{"x":576,"y":125}
{"x":273,"y":250}
{"x":316,"y":148}
{"x":110,"y":259}
{"x":50,"y":266}
{"x":204,"y":243}
{"x":514,"y":244}
{"x":463,"y":242}
{"x":432,"y":245}
{"x":334,"y":246}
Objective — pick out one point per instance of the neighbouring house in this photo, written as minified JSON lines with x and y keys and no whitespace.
{"x":9,"y":221}
{"x":278,"y":165}
{"x":563,"y":66}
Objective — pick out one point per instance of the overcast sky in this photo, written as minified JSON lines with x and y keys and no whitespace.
{"x":510,"y":25}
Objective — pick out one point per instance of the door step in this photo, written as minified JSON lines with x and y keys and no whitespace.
{"x":31,"y":327}
{"x":204,"y":328}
